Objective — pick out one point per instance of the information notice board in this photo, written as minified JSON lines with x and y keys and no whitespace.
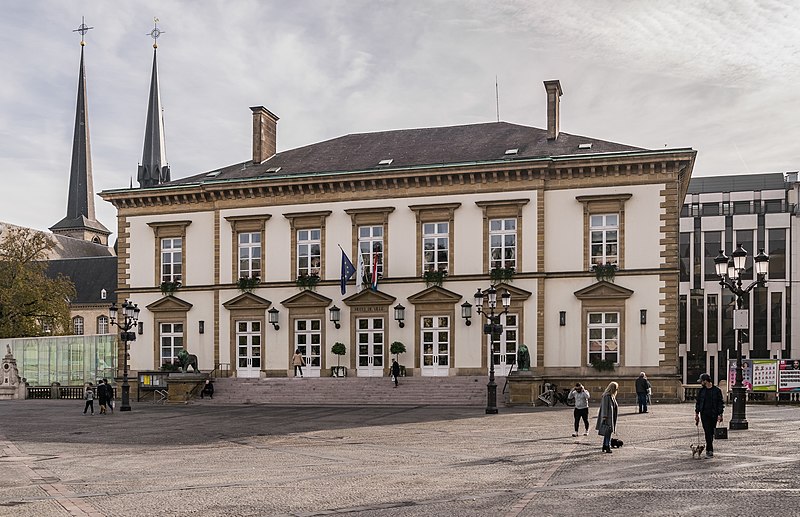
{"x":767,"y":375}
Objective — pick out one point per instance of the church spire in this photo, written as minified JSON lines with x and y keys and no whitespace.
{"x":80,"y":221}
{"x":154,"y":169}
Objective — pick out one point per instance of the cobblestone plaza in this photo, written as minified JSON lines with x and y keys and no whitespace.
{"x":386,"y":461}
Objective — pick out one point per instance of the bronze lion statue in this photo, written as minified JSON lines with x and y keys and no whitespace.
{"x":185,"y":359}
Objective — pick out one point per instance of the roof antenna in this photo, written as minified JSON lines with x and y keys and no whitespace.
{"x":497,"y":97}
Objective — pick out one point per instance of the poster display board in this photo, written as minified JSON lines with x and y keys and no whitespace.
{"x":747,"y":374}
{"x":789,"y":375}
{"x":764,"y":375}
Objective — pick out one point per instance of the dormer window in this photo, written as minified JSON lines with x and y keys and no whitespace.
{"x":103,"y":294}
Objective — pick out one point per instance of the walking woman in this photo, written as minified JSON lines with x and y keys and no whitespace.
{"x":607,"y":417}
{"x":298,"y":362}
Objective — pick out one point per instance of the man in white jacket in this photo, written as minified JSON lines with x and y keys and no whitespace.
{"x":581,"y":396}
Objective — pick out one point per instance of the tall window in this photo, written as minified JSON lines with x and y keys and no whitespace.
{"x":370,"y":246}
{"x":604,"y":236}
{"x":502,"y":243}
{"x":171,"y":259}
{"x":250,"y":254}
{"x":604,"y":336}
{"x":776,"y":317}
{"x":745,"y":238}
{"x":309,"y":248}
{"x":685,"y":248}
{"x":683,"y":307}
{"x":712,"y":244}
{"x":171,"y":341}
{"x":435,"y":246}
{"x":777,"y":253}
{"x":712,"y":330}
{"x":77,"y":326}
{"x":102,"y":325}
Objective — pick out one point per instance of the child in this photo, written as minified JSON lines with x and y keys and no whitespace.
{"x":88,"y":396}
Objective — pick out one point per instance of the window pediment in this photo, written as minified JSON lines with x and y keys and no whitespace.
{"x":603,"y":290}
{"x":169,"y":304}
{"x":435,"y":294}
{"x":369,"y":297}
{"x":306,"y":298}
{"x":247,"y":301}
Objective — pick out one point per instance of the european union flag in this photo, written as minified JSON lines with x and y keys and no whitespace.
{"x":348,"y":270}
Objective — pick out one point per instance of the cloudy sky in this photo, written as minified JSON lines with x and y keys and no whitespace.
{"x":718,"y":76}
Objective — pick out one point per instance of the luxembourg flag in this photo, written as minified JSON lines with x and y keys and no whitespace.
{"x":374,"y":276}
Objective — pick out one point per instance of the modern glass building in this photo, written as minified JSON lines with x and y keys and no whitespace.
{"x":67,"y":360}
{"x":720,"y":213}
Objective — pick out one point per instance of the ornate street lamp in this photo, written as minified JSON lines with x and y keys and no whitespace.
{"x":493,"y":329}
{"x":730,"y":276}
{"x":129,"y":318}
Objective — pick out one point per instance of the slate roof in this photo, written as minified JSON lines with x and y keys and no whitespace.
{"x":737,"y":183}
{"x":414,"y":148}
{"x":69,"y":247}
{"x":90,"y":275}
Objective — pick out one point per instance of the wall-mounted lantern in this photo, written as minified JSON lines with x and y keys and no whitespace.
{"x":336,"y":315}
{"x":466,"y":312}
{"x":400,"y":315}
{"x":273,"y":317}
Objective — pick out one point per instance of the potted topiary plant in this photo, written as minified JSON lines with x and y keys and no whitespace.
{"x":398,"y":348}
{"x":339,"y":349}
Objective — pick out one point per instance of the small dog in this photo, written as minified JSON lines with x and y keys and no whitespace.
{"x":616,"y":443}
{"x":697,"y":450}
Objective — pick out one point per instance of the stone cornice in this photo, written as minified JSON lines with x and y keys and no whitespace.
{"x":556,"y":170}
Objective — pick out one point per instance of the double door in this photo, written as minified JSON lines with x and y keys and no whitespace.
{"x":435,"y":339}
{"x":503,"y":350}
{"x":248,"y":348}
{"x":370,"y":337}
{"x":308,"y":340}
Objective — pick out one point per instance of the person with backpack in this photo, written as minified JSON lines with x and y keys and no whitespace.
{"x":88,"y":396}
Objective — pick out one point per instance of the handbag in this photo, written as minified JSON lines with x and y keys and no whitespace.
{"x":603,"y":429}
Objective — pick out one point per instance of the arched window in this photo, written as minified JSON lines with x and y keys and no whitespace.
{"x":102,"y":325}
{"x":77,"y":325}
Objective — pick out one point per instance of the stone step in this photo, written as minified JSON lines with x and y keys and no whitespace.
{"x":309,"y":391}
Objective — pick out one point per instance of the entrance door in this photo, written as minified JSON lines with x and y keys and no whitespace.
{"x":248,"y":348}
{"x":308,"y":339}
{"x":504,"y":350}
{"x":369,"y":336}
{"x":435,"y":341}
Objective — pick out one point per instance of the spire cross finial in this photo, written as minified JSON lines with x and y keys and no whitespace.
{"x":83,"y":29}
{"x":155,"y":33}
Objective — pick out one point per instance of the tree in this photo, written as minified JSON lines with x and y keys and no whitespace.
{"x":28,"y":297}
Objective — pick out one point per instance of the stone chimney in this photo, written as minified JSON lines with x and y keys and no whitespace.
{"x":265,"y":131}
{"x":554,"y":92}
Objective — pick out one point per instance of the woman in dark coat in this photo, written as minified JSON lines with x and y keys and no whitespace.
{"x":607,"y":417}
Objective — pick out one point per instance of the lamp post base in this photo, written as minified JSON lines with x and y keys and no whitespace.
{"x":491,"y":398}
{"x":126,"y":395}
{"x":739,"y":417}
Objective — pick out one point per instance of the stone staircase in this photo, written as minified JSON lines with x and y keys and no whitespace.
{"x":351,"y":391}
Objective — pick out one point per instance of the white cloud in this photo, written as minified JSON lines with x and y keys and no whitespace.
{"x":715,"y":76}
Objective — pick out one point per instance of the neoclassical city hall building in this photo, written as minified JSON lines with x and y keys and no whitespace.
{"x":241,"y":265}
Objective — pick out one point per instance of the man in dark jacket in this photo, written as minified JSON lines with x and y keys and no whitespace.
{"x":395,"y":371}
{"x":642,"y":392}
{"x":708,"y":409}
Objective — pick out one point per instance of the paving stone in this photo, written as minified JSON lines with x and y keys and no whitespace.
{"x":243,"y":460}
